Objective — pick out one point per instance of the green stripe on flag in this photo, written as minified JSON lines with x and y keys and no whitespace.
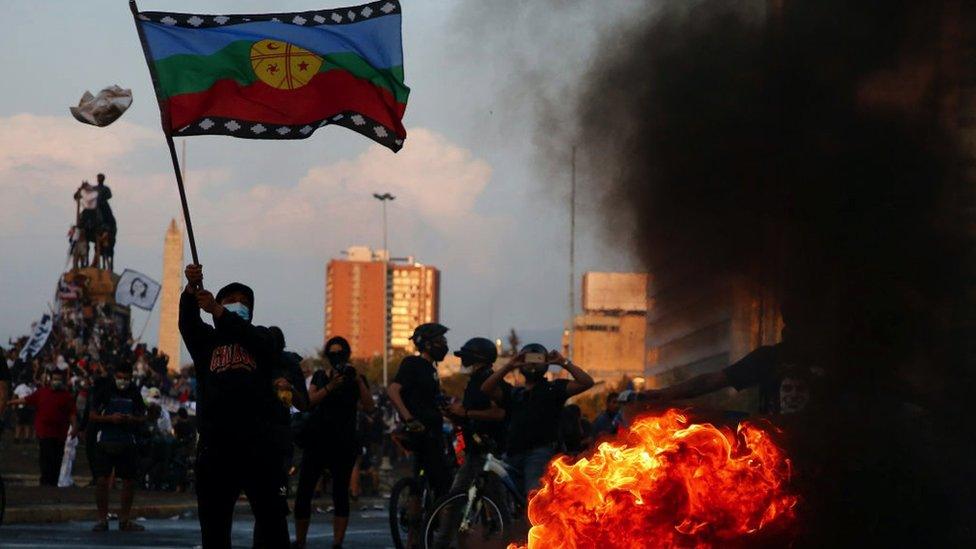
{"x":180,"y":74}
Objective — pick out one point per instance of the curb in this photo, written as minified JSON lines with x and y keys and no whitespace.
{"x":23,"y":515}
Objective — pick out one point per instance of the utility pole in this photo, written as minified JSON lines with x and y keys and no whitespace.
{"x":572,"y":257}
{"x":384,"y":198}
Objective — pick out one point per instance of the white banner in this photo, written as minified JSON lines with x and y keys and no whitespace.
{"x":137,"y":289}
{"x":38,"y":339}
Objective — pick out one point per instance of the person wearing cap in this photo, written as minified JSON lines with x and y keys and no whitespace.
{"x":118,"y":410}
{"x":234,"y":362}
{"x":534,"y":409}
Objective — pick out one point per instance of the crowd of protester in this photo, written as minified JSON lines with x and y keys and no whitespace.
{"x":316,"y":426}
{"x":56,"y":393}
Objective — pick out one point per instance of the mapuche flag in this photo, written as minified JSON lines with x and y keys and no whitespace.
{"x":281,"y":75}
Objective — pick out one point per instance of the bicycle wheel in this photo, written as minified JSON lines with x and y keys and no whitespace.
{"x":486,"y":526}
{"x":406,"y":514}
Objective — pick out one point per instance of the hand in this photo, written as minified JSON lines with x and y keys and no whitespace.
{"x":282,"y":383}
{"x":333,"y":383}
{"x":206,"y":301}
{"x":515,"y":362}
{"x":194,"y":276}
{"x":457,"y":410}
{"x":415,"y":426}
{"x":555,"y":357}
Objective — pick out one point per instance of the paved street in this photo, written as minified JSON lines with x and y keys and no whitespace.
{"x":367,"y":529}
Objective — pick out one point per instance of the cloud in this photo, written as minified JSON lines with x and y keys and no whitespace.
{"x":53,"y":143}
{"x":436,"y":184}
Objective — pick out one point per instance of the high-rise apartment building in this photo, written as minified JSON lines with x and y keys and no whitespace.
{"x":356,"y":309}
{"x":169,"y":312}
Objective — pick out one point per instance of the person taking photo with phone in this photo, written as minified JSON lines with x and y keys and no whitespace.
{"x":533,"y":410}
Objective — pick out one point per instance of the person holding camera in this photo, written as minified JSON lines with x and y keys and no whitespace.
{"x":416,"y":394}
{"x":534,"y":410}
{"x":330,"y":438}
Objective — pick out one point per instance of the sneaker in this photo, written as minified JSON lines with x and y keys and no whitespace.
{"x":100,"y":526}
{"x":129,"y":526}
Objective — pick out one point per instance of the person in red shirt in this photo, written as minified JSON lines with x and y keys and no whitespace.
{"x":55,"y":413}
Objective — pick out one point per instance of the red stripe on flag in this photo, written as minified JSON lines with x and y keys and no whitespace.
{"x":328,"y":93}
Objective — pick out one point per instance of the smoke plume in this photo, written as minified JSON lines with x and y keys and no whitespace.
{"x":812,"y":147}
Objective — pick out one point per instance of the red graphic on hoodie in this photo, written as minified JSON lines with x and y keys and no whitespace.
{"x":231,"y":357}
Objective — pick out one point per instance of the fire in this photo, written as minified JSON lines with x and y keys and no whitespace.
{"x":665,"y":482}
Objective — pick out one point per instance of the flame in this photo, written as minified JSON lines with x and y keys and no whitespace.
{"x":665,"y":482}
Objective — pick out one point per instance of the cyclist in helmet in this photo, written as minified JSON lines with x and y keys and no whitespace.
{"x":534,"y":409}
{"x":415,"y":392}
{"x":482,"y":423}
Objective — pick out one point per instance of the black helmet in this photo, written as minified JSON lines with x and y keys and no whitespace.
{"x":479,"y":350}
{"x":425,"y":333}
{"x":535,"y":348}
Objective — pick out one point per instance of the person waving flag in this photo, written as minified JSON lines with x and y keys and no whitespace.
{"x":279,"y":75}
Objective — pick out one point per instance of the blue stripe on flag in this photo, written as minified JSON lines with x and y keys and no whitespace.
{"x":376,"y":40}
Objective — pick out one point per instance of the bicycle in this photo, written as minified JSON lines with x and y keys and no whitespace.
{"x":411,"y":500}
{"x":481,"y":520}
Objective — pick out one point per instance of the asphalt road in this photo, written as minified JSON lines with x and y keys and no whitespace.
{"x":366,"y":529}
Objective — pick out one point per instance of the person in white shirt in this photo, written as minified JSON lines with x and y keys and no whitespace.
{"x":24,"y":432}
{"x":165,"y":422}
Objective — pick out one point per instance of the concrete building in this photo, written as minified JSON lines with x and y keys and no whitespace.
{"x":414,"y":300}
{"x":169,"y":310}
{"x":354,"y":302}
{"x":609,"y":336}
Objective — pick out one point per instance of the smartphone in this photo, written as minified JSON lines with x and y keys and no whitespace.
{"x":535,"y":358}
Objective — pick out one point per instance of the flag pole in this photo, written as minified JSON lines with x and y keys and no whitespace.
{"x":164,"y":119}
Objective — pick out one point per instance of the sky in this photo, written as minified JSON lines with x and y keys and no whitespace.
{"x":475,"y":196}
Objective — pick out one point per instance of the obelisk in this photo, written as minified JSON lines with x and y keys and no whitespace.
{"x":169,"y":312}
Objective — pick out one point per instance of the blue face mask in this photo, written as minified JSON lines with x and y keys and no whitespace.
{"x":239,"y":309}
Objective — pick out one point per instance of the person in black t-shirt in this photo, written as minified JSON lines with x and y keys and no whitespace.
{"x":534,"y":410}
{"x":234,"y":362}
{"x":415,"y":392}
{"x":482,"y":423}
{"x":117,"y":410}
{"x":334,"y":395}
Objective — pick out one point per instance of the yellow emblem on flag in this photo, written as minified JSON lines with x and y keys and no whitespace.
{"x":282,"y":65}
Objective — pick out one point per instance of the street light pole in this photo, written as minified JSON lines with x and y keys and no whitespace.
{"x":384,"y":198}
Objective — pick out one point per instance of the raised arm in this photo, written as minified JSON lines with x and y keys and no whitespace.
{"x":697,"y":386}
{"x":193,"y":329}
{"x":492,"y":385}
{"x":581,"y":380}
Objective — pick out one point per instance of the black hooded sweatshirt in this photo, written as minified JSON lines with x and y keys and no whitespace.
{"x":233,"y":361}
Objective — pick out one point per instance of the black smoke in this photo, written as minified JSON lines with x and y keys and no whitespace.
{"x":812,"y":148}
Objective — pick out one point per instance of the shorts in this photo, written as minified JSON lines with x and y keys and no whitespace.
{"x":25,"y":416}
{"x":123,"y":460}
